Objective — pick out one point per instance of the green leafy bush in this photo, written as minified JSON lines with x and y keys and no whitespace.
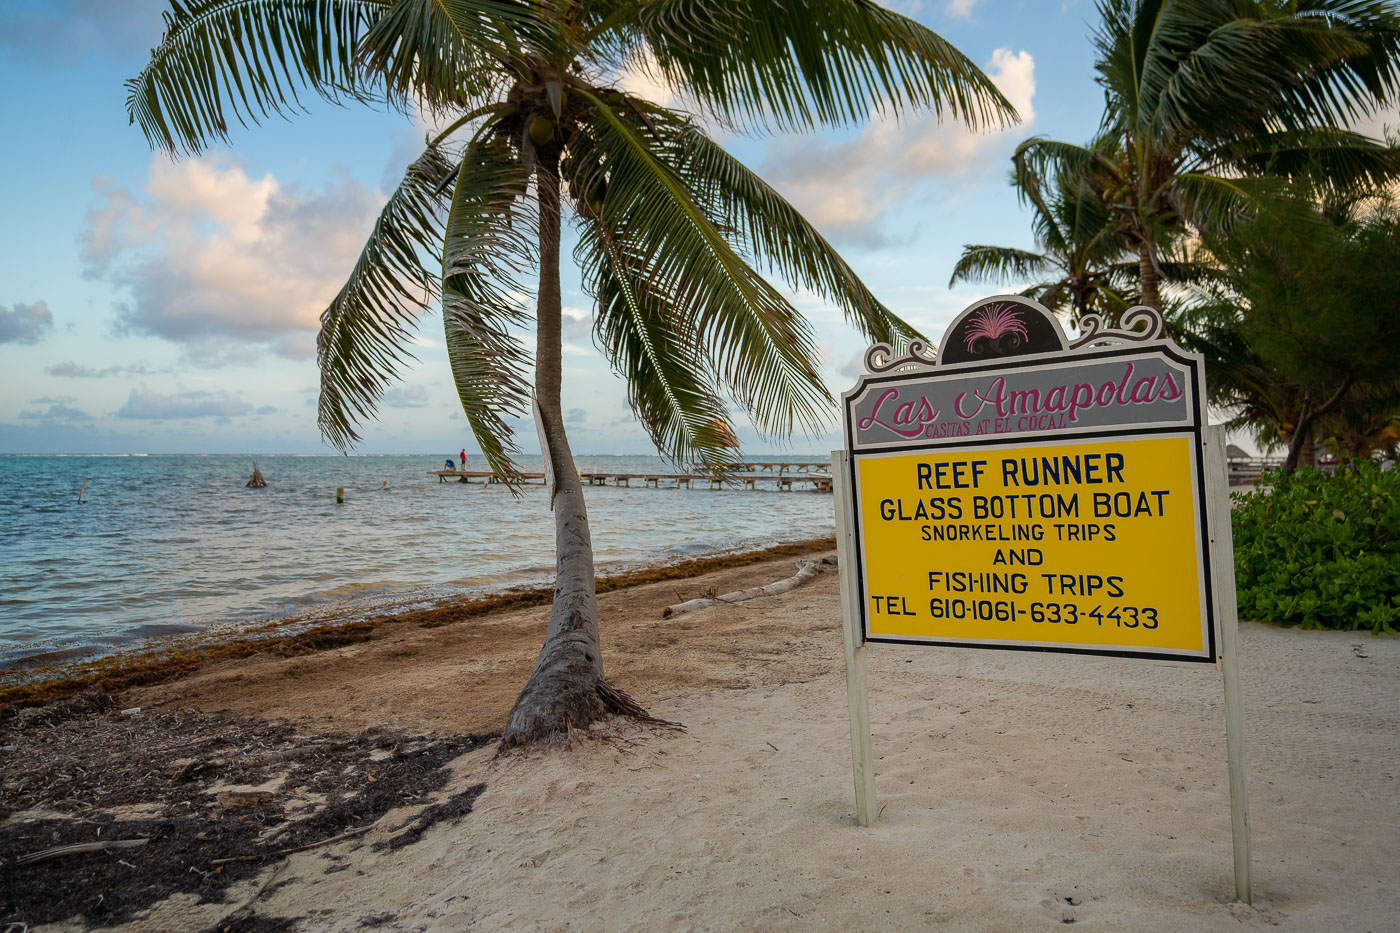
{"x":1321,"y":551}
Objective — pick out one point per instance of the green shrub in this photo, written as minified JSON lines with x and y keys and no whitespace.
{"x":1321,"y":551}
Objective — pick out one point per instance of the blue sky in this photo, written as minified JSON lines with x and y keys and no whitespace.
{"x":156,"y":306}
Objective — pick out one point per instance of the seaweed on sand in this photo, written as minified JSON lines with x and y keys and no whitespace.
{"x":81,"y":771}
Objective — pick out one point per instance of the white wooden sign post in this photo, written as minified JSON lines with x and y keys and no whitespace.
{"x":1024,"y":492}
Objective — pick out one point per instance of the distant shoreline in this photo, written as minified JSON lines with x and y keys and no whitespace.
{"x":168,"y":658}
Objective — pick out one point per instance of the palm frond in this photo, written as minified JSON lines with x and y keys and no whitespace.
{"x":1190,"y":272}
{"x":653,"y":346}
{"x":365,"y":329}
{"x":1322,"y":158}
{"x":491,"y":229}
{"x":1000,"y":264}
{"x":1213,"y":202}
{"x":1039,"y":162}
{"x":770,"y":228}
{"x":761,"y":346}
{"x":245,"y":59}
{"x":797,"y":64}
{"x":1184,"y":69}
{"x":445,"y":53}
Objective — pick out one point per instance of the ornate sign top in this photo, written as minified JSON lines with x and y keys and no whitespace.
{"x":1013,"y":325}
{"x":1006,"y":368}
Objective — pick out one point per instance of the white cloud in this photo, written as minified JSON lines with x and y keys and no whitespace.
{"x":60,"y":412}
{"x":577,"y":324}
{"x":845,"y":188}
{"x":71,"y":370}
{"x":25,"y":323}
{"x":207,"y":253}
{"x":960,"y":9}
{"x":854,"y":367}
{"x":1384,"y":121}
{"x":414,"y":396}
{"x":642,"y":78}
{"x":156,"y":406}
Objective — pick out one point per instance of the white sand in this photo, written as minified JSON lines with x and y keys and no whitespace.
{"x":1018,"y":791}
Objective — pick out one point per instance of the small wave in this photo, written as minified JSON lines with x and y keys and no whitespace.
{"x":688,"y":550}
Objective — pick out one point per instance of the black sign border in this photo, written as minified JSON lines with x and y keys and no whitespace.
{"x":1195,"y":428}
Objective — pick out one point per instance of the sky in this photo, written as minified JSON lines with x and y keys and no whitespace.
{"x":157,"y":306}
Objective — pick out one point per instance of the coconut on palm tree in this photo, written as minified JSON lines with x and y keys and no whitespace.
{"x":672,"y":229}
{"x":1205,"y":96}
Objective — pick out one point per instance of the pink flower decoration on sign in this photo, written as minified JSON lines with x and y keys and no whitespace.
{"x":995,"y":321}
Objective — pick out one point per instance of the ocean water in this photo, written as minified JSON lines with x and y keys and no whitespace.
{"x":168,"y":544}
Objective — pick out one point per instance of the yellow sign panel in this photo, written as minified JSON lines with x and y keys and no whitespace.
{"x":1086,"y":546}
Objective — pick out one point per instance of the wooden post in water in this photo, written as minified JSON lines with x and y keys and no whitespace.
{"x":80,"y":491}
{"x":340,"y":495}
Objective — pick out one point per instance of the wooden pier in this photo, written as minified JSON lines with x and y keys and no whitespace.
{"x":743,"y":475}
{"x":486,"y":476}
{"x":742,"y":479}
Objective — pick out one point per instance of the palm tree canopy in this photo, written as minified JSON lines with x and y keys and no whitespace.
{"x":1178,"y":71}
{"x":675,"y":234}
{"x":1081,"y":264}
{"x":1205,"y":96}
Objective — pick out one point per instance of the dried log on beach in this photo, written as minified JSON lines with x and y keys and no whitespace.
{"x":80,"y":847}
{"x":807,"y":570}
{"x":257,"y":482}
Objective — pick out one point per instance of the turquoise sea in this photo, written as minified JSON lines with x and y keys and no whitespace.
{"x":168,"y":544}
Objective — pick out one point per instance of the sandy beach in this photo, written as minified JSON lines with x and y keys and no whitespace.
{"x":1017,"y":790}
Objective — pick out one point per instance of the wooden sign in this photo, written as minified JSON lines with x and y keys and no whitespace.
{"x":1023,"y":491}
{"x":1033,"y":495}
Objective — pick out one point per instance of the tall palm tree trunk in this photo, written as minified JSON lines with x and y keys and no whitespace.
{"x":567,"y":689}
{"x":1148,"y":276}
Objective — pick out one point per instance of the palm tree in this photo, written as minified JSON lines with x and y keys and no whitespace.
{"x":1202,"y":96}
{"x":1084,"y":264}
{"x":1080,"y":265}
{"x":671,"y":227}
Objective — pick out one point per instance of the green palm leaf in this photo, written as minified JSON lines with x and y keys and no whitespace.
{"x":1039,"y":162}
{"x":998,"y":264}
{"x":1183,"y":69}
{"x":653,"y":347}
{"x":444,"y":53}
{"x":800,"y":63}
{"x":365,"y":330}
{"x":490,"y":231}
{"x":244,"y":59}
{"x":1214,"y":202}
{"x":771,"y":229}
{"x":761,"y":346}
{"x":1321,"y":157}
